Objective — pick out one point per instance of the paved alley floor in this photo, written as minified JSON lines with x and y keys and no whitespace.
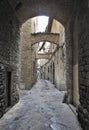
{"x":40,"y":109}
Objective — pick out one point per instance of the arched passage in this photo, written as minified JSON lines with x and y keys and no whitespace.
{"x":55,"y":9}
{"x":17,"y":12}
{"x":40,"y":9}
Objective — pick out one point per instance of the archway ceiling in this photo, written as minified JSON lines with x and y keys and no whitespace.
{"x":58,"y":9}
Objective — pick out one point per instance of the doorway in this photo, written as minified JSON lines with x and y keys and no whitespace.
{"x":53,"y":73}
{"x":8,"y":89}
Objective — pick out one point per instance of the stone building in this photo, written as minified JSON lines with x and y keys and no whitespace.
{"x":9,"y":57}
{"x":74,"y":15}
{"x":28,"y":55}
{"x":54,"y":69}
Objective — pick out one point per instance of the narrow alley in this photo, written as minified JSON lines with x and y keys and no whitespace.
{"x":41,"y":108}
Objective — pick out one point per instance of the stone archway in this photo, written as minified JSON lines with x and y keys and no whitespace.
{"x":16,"y":13}
{"x":55,"y":9}
{"x":50,"y":37}
{"x":60,"y":10}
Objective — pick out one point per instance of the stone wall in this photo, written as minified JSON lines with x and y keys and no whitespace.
{"x":77,"y":61}
{"x":75,"y":64}
{"x":69,"y":60}
{"x":72,"y":80}
{"x":83,"y":41}
{"x":60,"y":56}
{"x":28,"y":62}
{"x":9,"y":56}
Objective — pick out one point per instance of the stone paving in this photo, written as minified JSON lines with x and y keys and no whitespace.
{"x":41,"y":108}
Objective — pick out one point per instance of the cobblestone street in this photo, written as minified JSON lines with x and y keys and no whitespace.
{"x":40,"y":109}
